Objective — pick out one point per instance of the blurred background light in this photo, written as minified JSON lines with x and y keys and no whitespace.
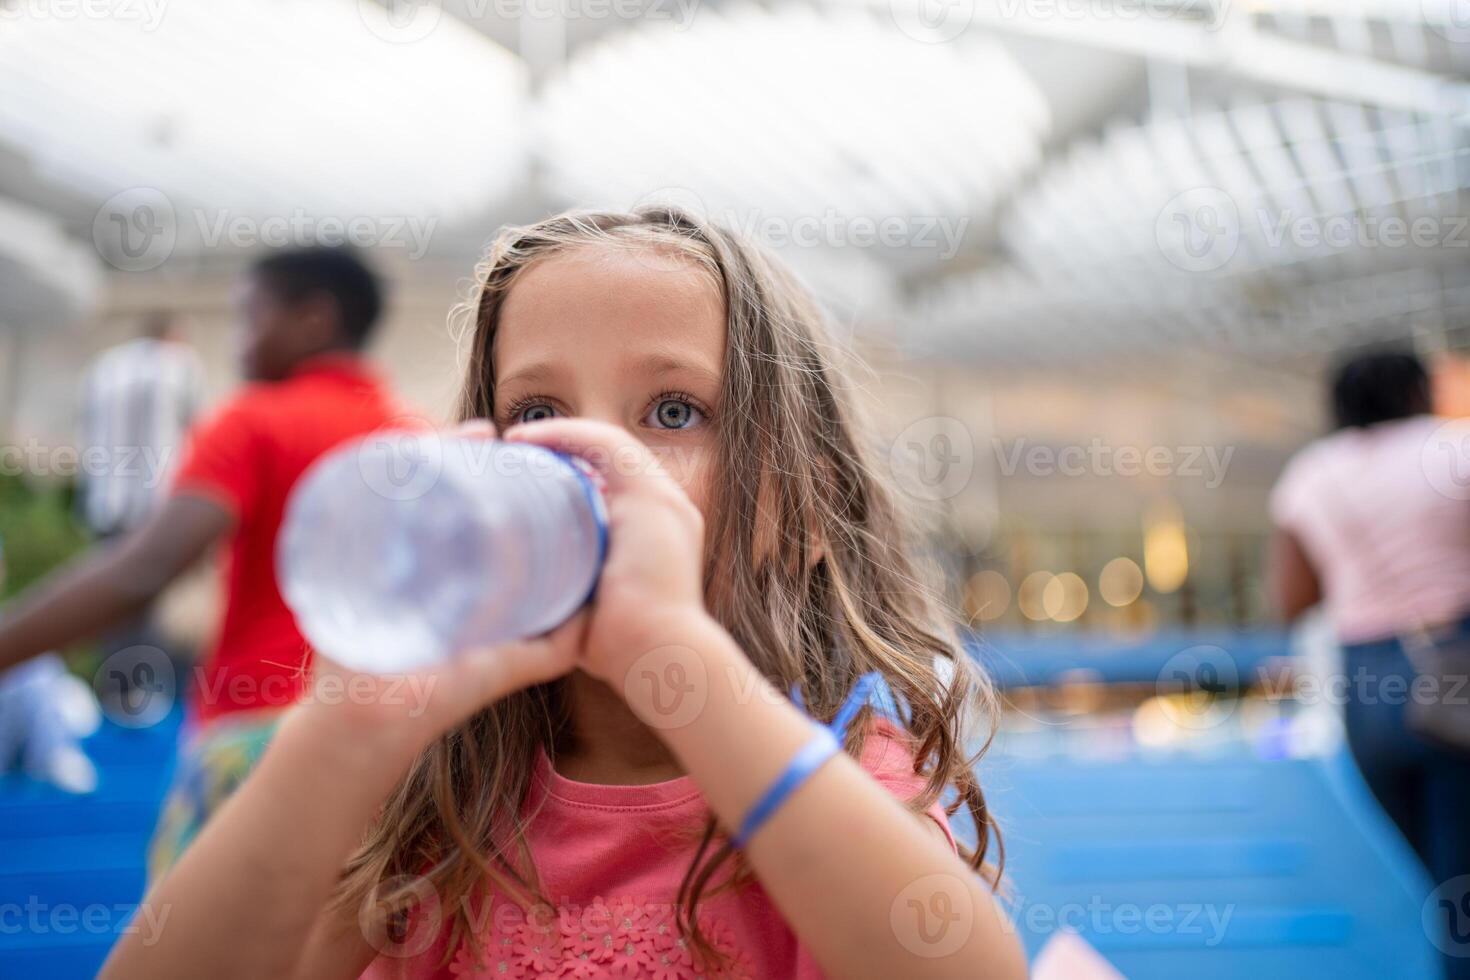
{"x":987,"y":595}
{"x":1165,"y":550}
{"x":1065,"y":597}
{"x":1120,"y":582}
{"x":1031,"y":596}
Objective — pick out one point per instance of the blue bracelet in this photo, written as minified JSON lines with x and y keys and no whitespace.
{"x":822,"y":746}
{"x":826,"y":741}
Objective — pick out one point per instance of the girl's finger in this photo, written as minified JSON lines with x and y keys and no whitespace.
{"x":474,"y":428}
{"x":483,"y":676}
{"x":620,"y":459}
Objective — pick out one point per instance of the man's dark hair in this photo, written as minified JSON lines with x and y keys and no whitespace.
{"x":157,"y":325}
{"x":1379,"y":386}
{"x":297,"y":273}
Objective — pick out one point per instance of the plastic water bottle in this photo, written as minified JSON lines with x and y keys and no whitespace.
{"x":403,"y":549}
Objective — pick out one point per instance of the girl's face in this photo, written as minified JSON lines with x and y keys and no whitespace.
{"x":635,"y":338}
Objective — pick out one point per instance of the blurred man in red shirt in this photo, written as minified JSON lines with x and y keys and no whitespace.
{"x":305,"y":316}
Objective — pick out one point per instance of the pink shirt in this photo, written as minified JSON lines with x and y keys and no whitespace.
{"x":1384,"y":515}
{"x":611,"y":858}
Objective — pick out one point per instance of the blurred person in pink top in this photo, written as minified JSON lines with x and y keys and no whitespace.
{"x":1369,"y":520}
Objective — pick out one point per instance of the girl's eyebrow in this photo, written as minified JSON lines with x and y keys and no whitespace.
{"x":668,"y":364}
{"x":655,"y":364}
{"x":534,"y":373}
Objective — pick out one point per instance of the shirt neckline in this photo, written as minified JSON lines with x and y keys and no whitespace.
{"x":341,"y":362}
{"x":644,"y":796}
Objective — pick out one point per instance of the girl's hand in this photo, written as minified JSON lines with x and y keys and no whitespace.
{"x":394,"y":716}
{"x":652,"y":581}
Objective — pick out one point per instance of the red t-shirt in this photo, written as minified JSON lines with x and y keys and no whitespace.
{"x":246,"y":456}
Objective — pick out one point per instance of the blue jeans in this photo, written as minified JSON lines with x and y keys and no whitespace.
{"x":1423,"y":787}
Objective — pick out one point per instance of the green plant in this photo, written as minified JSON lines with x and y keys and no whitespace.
{"x":37,"y":530}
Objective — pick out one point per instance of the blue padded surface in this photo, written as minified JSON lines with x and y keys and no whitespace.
{"x":1252,"y":867}
{"x":72,"y":867}
{"x":1303,"y":876}
{"x":1016,"y":659}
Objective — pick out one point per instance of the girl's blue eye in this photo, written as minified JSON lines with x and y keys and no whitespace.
{"x":674,"y":413}
{"x":536,"y":413}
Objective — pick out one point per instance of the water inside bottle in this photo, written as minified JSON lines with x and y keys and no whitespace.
{"x":502,"y":541}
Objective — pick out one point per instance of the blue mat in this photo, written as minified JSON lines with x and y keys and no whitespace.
{"x":72,"y":867}
{"x":1231,"y":866}
{"x":1016,"y":659}
{"x":1207,"y":868}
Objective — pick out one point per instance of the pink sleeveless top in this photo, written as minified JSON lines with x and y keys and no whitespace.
{"x":611,"y":859}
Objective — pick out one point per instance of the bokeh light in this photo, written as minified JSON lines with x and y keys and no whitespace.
{"x":987,"y":595}
{"x":1065,"y":597}
{"x":1030,"y":597}
{"x":1165,"y":550}
{"x":1120,"y":582}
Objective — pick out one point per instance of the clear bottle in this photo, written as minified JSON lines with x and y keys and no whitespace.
{"x":405,"y":548}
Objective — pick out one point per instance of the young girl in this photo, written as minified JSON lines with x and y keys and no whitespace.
{"x":634,"y":794}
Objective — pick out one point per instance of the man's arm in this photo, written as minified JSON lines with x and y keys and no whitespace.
{"x":107,"y":584}
{"x":1291,"y":579}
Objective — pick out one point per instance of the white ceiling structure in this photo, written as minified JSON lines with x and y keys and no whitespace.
{"x":157,"y":131}
{"x":263,"y":108}
{"x":786,"y":113}
{"x":1269,"y":227}
{"x":1000,"y":179}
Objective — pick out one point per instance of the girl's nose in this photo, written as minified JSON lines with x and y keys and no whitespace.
{"x":611,"y":414}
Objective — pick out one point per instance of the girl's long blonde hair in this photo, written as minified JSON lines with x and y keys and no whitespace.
{"x":808,"y":566}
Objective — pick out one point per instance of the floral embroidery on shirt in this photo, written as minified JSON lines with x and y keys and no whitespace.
{"x":619,"y":938}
